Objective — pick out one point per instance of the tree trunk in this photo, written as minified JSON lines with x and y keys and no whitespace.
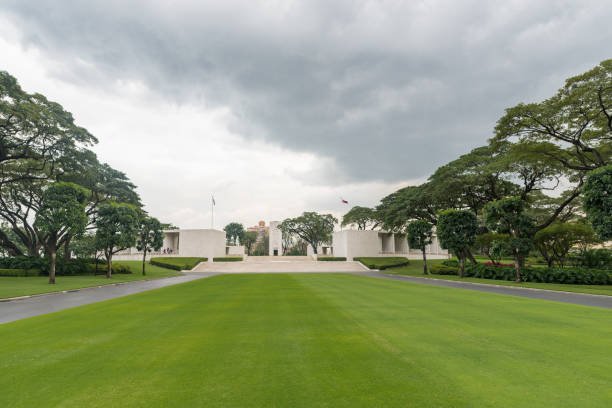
{"x":517,"y":266}
{"x":462,"y":263}
{"x":67,"y":254}
{"x":425,"y":271}
{"x":472,"y":259}
{"x":144,"y":260}
{"x":109,"y":265}
{"x":52,"y":255}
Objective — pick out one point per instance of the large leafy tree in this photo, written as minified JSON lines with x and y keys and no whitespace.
{"x":457,"y":230}
{"x":555,"y":241}
{"x":362,"y":217}
{"x":150,"y":238}
{"x":598,"y":201}
{"x":312,"y":227}
{"x":61,"y":214}
{"x":408,"y":204}
{"x":36,"y":135}
{"x":419,"y":234}
{"x":116,"y":229}
{"x":508,"y":216}
{"x":233,"y":232}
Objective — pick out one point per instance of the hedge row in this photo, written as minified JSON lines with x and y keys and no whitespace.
{"x":331,"y":258}
{"x":569,"y":275}
{"x":178,"y":264}
{"x":19,"y":272}
{"x":383,"y":262}
{"x":62,"y":267}
{"x":228,"y":259}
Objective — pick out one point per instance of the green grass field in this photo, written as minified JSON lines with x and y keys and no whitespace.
{"x":416,"y":269}
{"x":21,"y":286}
{"x":310,"y":340}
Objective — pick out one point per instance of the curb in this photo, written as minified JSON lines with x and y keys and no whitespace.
{"x":80,"y":289}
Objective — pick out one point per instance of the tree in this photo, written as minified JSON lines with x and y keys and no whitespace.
{"x":574,"y":127}
{"x":248,"y":240}
{"x":555,"y":241}
{"x":363,"y":217}
{"x":116,"y":229}
{"x":62,"y":214}
{"x":419,"y":234}
{"x":490,"y":244}
{"x":456,"y":231}
{"x":312,"y":227}
{"x":598,"y":201}
{"x":150,"y":237}
{"x":507,"y":216}
{"x":233,"y":231}
{"x":287,"y":238}
{"x":35,"y":134}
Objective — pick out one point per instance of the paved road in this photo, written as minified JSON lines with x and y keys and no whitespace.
{"x":565,"y":297}
{"x":37,"y":305}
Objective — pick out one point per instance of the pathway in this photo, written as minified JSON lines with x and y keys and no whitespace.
{"x":53,"y":302}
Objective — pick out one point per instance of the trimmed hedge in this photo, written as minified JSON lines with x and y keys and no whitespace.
{"x":441,"y":269}
{"x":73,"y":267}
{"x":178,"y":264}
{"x":115,"y":269}
{"x":331,"y":258}
{"x":570,"y":275}
{"x":383,"y":262}
{"x":228,"y":259}
{"x":19,"y":272}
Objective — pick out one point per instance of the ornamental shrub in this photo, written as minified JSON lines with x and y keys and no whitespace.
{"x":228,"y":259}
{"x":331,"y":258}
{"x":441,"y":269}
{"x":568,"y":275}
{"x":19,"y":272}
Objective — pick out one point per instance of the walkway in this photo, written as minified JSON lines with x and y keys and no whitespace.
{"x":53,"y":302}
{"x":542,"y":294}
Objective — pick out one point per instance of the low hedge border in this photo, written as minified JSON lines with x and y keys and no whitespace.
{"x":331,"y":258}
{"x":20,"y":272}
{"x":568,"y":275}
{"x":383,"y":262}
{"x":177,"y":264}
{"x":228,"y":259}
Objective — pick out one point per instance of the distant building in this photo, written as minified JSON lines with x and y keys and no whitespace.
{"x":261,"y":230}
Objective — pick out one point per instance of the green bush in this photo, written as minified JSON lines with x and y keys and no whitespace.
{"x":383,"y":262}
{"x":178,"y":263}
{"x":79,"y":266}
{"x":19,"y":272}
{"x":455,"y":263}
{"x":596,"y":258}
{"x":441,"y":269}
{"x":228,"y":259}
{"x":115,"y":269}
{"x":570,"y":275}
{"x":331,"y":258}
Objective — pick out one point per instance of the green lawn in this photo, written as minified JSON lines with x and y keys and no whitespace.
{"x":21,"y":286}
{"x":310,"y":340}
{"x":416,"y":269}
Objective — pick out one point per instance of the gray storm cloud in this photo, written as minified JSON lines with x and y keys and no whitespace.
{"x":387,"y":90}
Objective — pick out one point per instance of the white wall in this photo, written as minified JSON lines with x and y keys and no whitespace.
{"x":202,"y":243}
{"x":276,"y":239}
{"x":235,"y":250}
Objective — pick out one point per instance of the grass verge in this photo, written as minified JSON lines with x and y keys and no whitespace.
{"x":383,"y":262}
{"x":33,"y":285}
{"x":177,"y":263}
{"x":310,"y":340}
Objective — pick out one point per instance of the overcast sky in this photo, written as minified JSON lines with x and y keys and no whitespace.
{"x":280,"y":107}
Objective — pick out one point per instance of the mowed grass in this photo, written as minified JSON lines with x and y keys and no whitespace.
{"x":32,"y":285}
{"x":310,"y":340}
{"x":416,"y":269}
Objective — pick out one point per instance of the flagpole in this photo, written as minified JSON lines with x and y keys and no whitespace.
{"x":212,"y":212}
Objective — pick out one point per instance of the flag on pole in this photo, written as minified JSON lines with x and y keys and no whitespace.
{"x":344,"y":201}
{"x":213,"y":200}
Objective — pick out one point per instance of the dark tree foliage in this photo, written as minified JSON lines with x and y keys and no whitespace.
{"x":362,"y":217}
{"x":598,"y":201}
{"x":419,"y":234}
{"x":457,"y":232}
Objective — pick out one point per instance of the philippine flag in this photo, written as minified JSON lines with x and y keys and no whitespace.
{"x":344,"y":201}
{"x":213,"y":200}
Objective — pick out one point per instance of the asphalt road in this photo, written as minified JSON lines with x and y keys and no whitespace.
{"x":53,"y":302}
{"x":565,"y":297}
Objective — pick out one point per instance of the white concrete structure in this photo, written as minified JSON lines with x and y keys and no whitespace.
{"x":235,"y":250}
{"x":205,"y":243}
{"x":276,"y":240}
{"x":360,"y":243}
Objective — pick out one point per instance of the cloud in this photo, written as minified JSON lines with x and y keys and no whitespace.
{"x":359,"y":92}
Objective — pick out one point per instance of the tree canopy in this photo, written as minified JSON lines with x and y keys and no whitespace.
{"x":312,"y":227}
{"x":362,"y":217}
{"x":457,"y":232}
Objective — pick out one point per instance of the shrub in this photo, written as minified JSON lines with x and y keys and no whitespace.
{"x":19,"y":272}
{"x":228,"y":259}
{"x":78,"y":266}
{"x":116,"y":268}
{"x":455,"y":263}
{"x":597,"y":258}
{"x":441,"y":269}
{"x":177,"y":263}
{"x":383,"y":262}
{"x":331,"y":258}
{"x":570,"y":275}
